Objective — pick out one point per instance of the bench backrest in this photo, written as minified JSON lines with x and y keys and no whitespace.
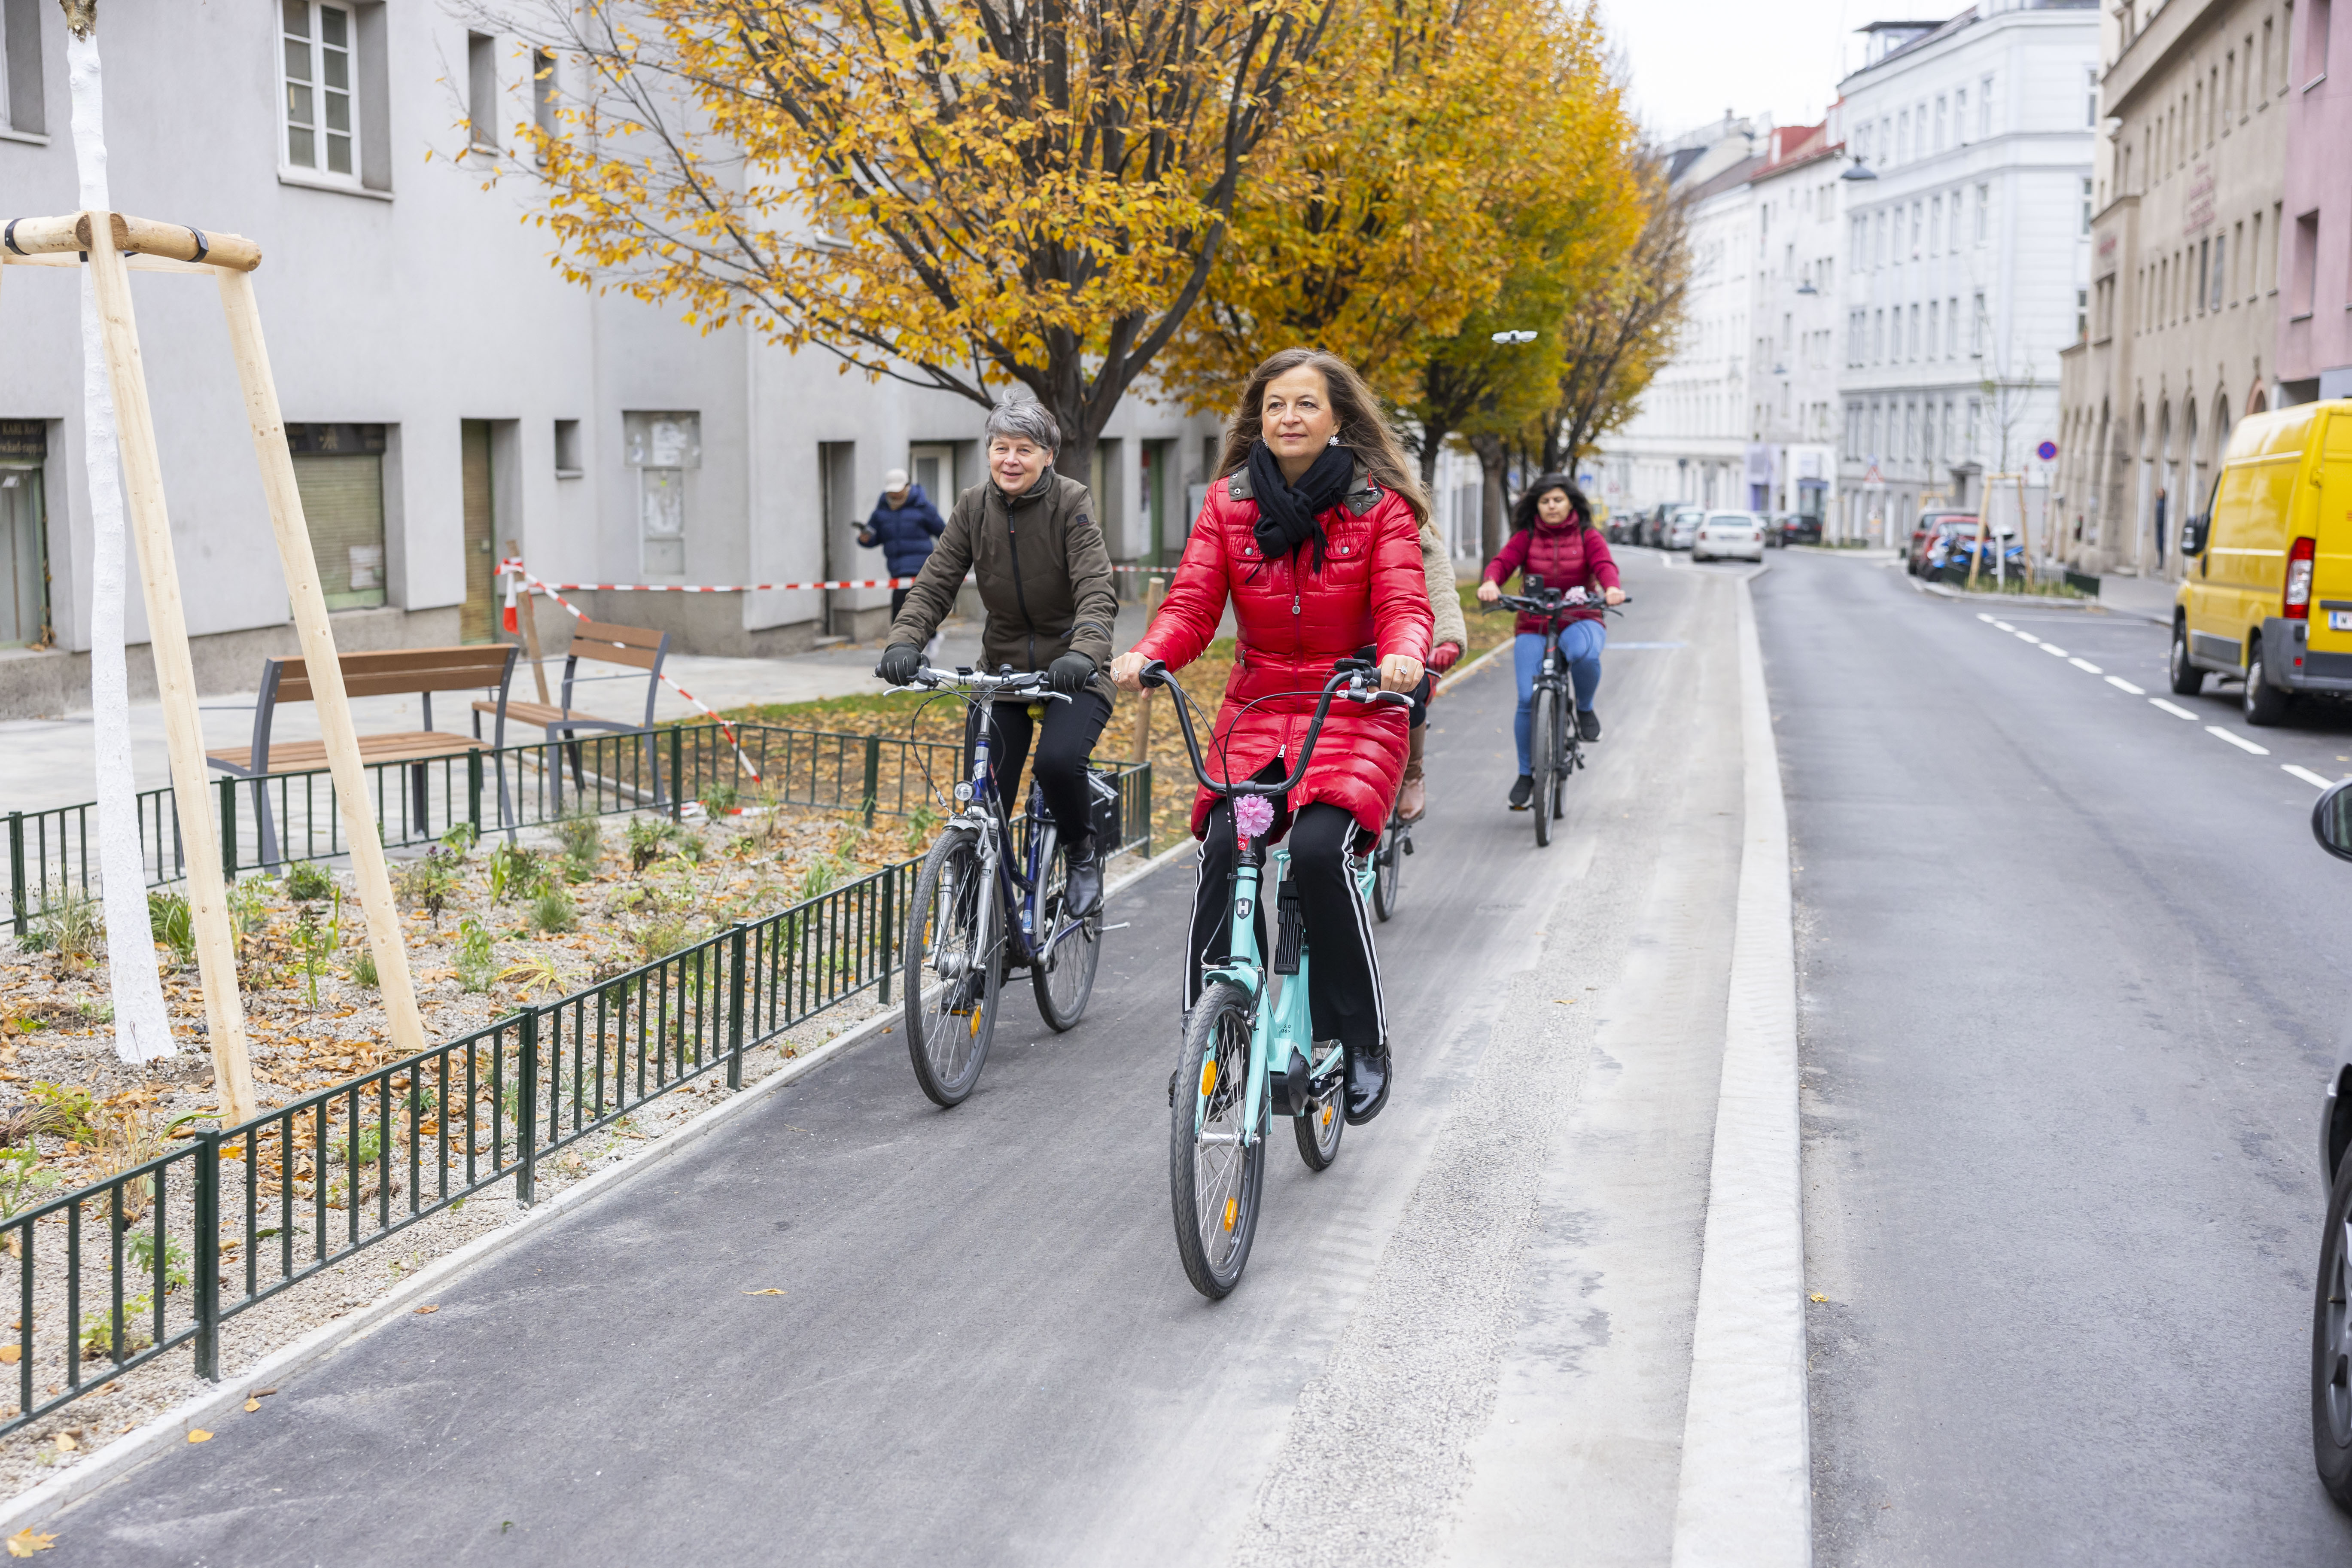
{"x":634,"y":646}
{"x":401,"y":671}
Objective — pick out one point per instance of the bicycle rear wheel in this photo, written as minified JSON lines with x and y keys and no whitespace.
{"x":954,"y":969}
{"x":1387,"y":868}
{"x":1543,"y":750}
{"x":1214,"y":1181}
{"x":1571,"y":758}
{"x":1319,"y":1131}
{"x":1064,"y":978}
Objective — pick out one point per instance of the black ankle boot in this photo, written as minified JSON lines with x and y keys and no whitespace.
{"x":1082,"y":893}
{"x":1369,"y":1077}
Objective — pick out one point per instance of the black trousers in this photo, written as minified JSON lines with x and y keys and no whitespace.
{"x":1343,"y":973}
{"x":899,"y":601}
{"x":1065,"y":740}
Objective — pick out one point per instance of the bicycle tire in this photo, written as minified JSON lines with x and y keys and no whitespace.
{"x":1318,"y":1130}
{"x":1571,"y":759}
{"x":951,"y":1017}
{"x":1214,"y":1188}
{"x":1543,"y":750}
{"x":1066,"y":979}
{"x":1388,"y":870}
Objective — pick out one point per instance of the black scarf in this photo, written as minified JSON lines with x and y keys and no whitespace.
{"x":1286,"y":513}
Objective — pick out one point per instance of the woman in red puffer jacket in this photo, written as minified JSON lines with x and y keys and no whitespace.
{"x":1311,"y":531}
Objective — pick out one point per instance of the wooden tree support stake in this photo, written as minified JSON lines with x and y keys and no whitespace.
{"x":530,"y":620}
{"x":318,"y":639}
{"x":1153,"y":588}
{"x":176,"y":675}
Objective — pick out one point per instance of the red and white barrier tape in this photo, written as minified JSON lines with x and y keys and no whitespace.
{"x":512,"y":570}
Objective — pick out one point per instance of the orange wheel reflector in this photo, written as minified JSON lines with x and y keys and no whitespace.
{"x":1327,"y":1116}
{"x":1233,"y":1208}
{"x":975,"y":1022}
{"x":1209,"y":1077}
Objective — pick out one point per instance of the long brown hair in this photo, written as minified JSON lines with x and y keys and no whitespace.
{"x":1362,"y":429}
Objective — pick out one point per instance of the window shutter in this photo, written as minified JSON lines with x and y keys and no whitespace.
{"x":343,"y":502}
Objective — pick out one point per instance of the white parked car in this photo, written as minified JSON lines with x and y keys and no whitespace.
{"x":1684,"y":528}
{"x":1729,"y":535}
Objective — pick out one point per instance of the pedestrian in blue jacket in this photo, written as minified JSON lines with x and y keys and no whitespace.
{"x":902,"y":526}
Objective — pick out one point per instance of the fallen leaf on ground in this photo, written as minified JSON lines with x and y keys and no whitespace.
{"x":770,"y":1290}
{"x":27,"y":1541}
{"x":428,"y":1307}
{"x":1819,"y":1297}
{"x":11,"y":1354}
{"x":251,"y":1404}
{"x":200,"y":1436}
{"x":65,"y":1441}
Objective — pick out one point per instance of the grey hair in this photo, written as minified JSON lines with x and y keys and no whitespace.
{"x":1026,"y":419}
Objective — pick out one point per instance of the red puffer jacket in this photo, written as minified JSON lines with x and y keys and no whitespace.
{"x":1569,"y":556}
{"x":1295,"y":624}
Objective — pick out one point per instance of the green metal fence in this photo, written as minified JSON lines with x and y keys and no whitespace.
{"x":159,"y":1256}
{"x":291,"y":816}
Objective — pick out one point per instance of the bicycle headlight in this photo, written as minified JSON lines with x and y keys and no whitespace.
{"x":963,"y":793}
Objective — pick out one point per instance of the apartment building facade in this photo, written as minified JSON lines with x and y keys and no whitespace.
{"x":445,"y":390}
{"x":1967,"y":252}
{"x":2315,"y":327}
{"x":1792,"y":458}
{"x":2181,"y":332}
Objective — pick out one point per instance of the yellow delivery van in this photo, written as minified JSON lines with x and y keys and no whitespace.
{"x":2268,"y":594}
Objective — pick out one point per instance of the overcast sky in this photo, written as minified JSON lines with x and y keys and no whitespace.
{"x":1691,"y":60}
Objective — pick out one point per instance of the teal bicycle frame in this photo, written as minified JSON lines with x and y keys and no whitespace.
{"x":1282,"y":1027}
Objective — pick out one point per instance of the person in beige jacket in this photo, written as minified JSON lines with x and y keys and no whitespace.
{"x":1452,"y":636}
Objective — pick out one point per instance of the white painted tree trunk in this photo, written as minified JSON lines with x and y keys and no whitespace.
{"x":143,"y":1029}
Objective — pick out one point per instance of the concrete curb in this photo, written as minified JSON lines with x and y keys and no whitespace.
{"x":1961,"y":595}
{"x":171,"y":1429}
{"x":1745,"y":1499}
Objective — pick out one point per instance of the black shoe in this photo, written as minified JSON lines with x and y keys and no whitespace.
{"x":1368,"y":1085}
{"x":1522,"y":791}
{"x":1588,"y":724}
{"x":1082,"y":893}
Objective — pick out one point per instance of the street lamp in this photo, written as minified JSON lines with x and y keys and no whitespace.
{"x":1523,"y":335}
{"x":1861,"y":171}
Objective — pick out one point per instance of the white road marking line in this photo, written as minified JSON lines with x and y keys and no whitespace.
{"x":1982,"y":616}
{"x":2120,"y":684}
{"x":2052,"y":647}
{"x":2084,"y":664}
{"x":2004,"y":626}
{"x":2028,"y":636}
{"x":2237,"y":740}
{"x":2307,"y":775}
{"x":2174,"y":708}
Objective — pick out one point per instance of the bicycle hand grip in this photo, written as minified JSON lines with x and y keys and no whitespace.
{"x":1153,"y":673}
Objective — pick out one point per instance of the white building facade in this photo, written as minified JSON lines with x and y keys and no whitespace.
{"x":445,"y":390}
{"x":1966,"y":254}
{"x":1792,"y":458}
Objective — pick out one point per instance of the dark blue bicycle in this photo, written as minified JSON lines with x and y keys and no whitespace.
{"x":987,"y":902}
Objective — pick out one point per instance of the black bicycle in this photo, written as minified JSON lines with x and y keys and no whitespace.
{"x":1555,"y":750}
{"x":1388,"y":863}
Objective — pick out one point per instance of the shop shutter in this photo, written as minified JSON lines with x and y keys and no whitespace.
{"x":342,"y":501}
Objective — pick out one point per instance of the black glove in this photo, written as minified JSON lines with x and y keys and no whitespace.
{"x":900,"y":661}
{"x":1069,"y":674}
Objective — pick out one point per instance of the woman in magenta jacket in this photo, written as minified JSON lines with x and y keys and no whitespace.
{"x":1312,"y":534}
{"x":1552,"y":537}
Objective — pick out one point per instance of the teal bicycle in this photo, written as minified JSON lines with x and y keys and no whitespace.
{"x":1250,"y":1052}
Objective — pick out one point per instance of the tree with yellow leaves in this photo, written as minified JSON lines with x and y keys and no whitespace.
{"x":1443,"y":144}
{"x":967,"y":195}
{"x":1622,"y":330}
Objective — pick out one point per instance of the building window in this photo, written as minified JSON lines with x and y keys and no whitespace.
{"x":664,"y":449}
{"x":542,"y":95}
{"x":1917,"y":227}
{"x":2091,"y":96}
{"x":568,"y":465}
{"x":1939,"y":125}
{"x":1915,"y":332}
{"x":2082,"y":315}
{"x":482,"y":92}
{"x":338,"y":471}
{"x":1977,"y":325}
{"x":321,"y":127}
{"x":1878,"y":337}
{"x":2303,"y":283}
{"x":1935,"y":327}
{"x":21,"y":106}
{"x":1960,"y":115}
{"x":1952,"y":328}
{"x":1984,"y":214}
{"x":2086,"y":208}
{"x":2315,"y":40}
{"x":1984,"y":109}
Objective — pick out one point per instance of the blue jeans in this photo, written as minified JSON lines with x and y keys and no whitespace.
{"x":1580,"y":643}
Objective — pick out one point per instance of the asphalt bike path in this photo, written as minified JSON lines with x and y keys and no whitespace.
{"x":2069,"y":987}
{"x":1467,"y":1341}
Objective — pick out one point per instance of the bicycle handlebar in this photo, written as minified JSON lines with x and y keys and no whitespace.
{"x":1553,"y":604}
{"x":1031,"y":682}
{"x":1348,"y":676}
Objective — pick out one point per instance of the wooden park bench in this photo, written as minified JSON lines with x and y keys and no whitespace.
{"x":398,"y":672}
{"x":632,"y":647}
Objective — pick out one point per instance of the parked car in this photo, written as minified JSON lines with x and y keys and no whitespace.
{"x":1734,"y":535}
{"x":2331,"y":1310}
{"x":1682,"y":528}
{"x":1954,"y":552}
{"x":1931,"y":527}
{"x":1802,"y":530}
{"x":2270,"y":550}
{"x":1651,"y":529}
{"x":1776,"y":529}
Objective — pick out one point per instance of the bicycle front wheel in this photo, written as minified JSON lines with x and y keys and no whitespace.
{"x":1543,"y":750}
{"x":1388,"y":869}
{"x":1064,"y":978}
{"x":954,"y":969}
{"x":1214,"y":1178}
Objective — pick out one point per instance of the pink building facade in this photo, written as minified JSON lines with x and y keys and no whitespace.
{"x":2315,"y":327}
